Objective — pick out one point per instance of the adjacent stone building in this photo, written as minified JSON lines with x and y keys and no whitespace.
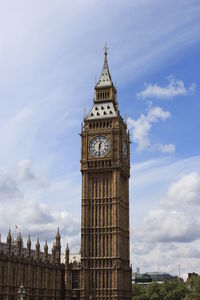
{"x":103,"y":271}
{"x":42,"y":274}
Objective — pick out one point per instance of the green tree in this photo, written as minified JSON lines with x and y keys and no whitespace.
{"x":154,"y":296}
{"x":141,"y":297}
{"x":138,"y":289}
{"x":169,"y":290}
{"x":193,"y":283}
{"x":192,"y":296}
{"x":175,"y":295}
{"x":153,"y":290}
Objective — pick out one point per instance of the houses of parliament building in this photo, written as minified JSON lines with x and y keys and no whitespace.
{"x":103,"y":271}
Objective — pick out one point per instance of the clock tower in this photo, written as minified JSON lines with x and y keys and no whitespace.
{"x":105,"y":168}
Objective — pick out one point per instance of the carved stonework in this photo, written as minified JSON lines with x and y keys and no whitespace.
{"x":105,"y":167}
{"x":21,"y":295}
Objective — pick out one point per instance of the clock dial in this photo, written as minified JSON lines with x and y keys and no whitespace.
{"x":99,"y":146}
{"x":125,"y":149}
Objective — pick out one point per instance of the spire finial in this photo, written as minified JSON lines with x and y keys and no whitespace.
{"x":106,"y":50}
{"x":125,"y":119}
{"x":58,"y":231}
{"x":84,"y":112}
{"x":67,"y":247}
{"x":9,"y":234}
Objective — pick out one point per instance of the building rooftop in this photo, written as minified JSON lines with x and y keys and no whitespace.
{"x":102,"y":110}
{"x":105,"y":77}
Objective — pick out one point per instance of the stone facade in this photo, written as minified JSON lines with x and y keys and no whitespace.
{"x":43,"y":275}
{"x":103,"y":271}
{"x":105,"y":167}
{"x":40,"y":272}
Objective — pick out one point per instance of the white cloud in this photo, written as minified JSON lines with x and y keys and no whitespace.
{"x":26,"y":173}
{"x":170,"y":231}
{"x":21,"y":202}
{"x":39,"y":220}
{"x":186,"y":190}
{"x":142,"y":126}
{"x":166,"y":257}
{"x":163,"y":170}
{"x":173,"y":221}
{"x":8,"y":187}
{"x":173,"y":89}
{"x":164,"y":148}
{"x":157,"y":176}
{"x":168,"y":226}
{"x":192,"y":88}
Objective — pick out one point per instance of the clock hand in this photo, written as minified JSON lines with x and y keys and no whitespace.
{"x":100,"y":147}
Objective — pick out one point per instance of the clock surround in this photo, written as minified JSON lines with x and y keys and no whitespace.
{"x":99,"y":146}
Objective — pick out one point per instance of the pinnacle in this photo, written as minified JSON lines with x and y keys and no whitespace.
{"x":105,"y":77}
{"x":58,"y":233}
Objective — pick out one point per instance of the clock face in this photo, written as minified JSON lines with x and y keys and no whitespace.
{"x":125,"y":149}
{"x":99,"y":146}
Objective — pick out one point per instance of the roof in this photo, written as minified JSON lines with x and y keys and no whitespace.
{"x":3,"y":247}
{"x":102,"y":111}
{"x":105,"y":77}
{"x":72,"y":257}
{"x":75,"y":257}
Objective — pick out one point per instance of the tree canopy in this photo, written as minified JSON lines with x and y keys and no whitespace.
{"x":169,"y":290}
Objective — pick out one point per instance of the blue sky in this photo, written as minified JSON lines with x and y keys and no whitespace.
{"x":50,"y":55}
